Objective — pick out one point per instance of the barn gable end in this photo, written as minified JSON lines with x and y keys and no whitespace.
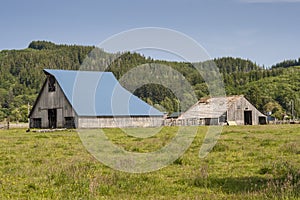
{"x":52,"y":109}
{"x":243,"y":112}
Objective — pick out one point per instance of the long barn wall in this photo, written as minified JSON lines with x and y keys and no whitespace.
{"x":111,"y":122}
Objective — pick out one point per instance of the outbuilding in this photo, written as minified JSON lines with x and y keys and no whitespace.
{"x":229,"y":110}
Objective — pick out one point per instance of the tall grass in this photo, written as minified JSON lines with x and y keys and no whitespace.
{"x":248,"y":162}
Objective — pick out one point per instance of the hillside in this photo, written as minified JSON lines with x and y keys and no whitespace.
{"x":21,"y":77}
{"x":276,"y":93}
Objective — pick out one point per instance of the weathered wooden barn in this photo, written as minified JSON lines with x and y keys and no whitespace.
{"x":222,"y":110}
{"x":86,"y":99}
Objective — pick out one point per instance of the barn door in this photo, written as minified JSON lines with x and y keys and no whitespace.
{"x":52,"y":118}
{"x":248,"y":117}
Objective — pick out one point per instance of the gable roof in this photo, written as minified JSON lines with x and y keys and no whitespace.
{"x":207,"y":108}
{"x":99,"y":94}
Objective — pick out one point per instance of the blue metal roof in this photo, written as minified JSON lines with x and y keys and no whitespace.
{"x":100,"y":94}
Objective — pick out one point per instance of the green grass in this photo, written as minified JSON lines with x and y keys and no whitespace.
{"x":248,"y":162}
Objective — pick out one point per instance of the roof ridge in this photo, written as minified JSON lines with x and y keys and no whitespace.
{"x":46,"y":70}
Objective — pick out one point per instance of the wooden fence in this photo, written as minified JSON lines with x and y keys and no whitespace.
{"x":5,"y":125}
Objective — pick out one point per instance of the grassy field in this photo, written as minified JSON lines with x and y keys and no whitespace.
{"x":248,"y":162}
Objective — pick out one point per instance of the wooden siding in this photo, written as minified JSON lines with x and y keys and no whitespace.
{"x":121,"y":122}
{"x":214,"y":108}
{"x":236,"y":111}
{"x":51,"y":100}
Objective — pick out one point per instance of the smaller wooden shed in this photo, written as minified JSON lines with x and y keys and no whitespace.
{"x":223,"y":110}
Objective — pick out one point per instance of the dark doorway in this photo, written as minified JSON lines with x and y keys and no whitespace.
{"x":52,"y":116}
{"x":70,"y":122}
{"x":262,"y":120}
{"x":248,"y":117}
{"x":211,"y":121}
{"x":36,"y":123}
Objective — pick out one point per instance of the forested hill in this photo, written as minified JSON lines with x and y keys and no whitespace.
{"x":21,"y":77}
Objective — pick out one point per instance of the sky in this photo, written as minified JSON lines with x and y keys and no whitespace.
{"x":264,"y":31}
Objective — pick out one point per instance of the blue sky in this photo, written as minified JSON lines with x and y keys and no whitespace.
{"x":265,"y":31}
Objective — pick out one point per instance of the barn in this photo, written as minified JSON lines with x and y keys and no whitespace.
{"x":88,"y":99}
{"x":236,"y":110}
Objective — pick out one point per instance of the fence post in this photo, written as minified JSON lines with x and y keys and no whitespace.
{"x":7,"y":123}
